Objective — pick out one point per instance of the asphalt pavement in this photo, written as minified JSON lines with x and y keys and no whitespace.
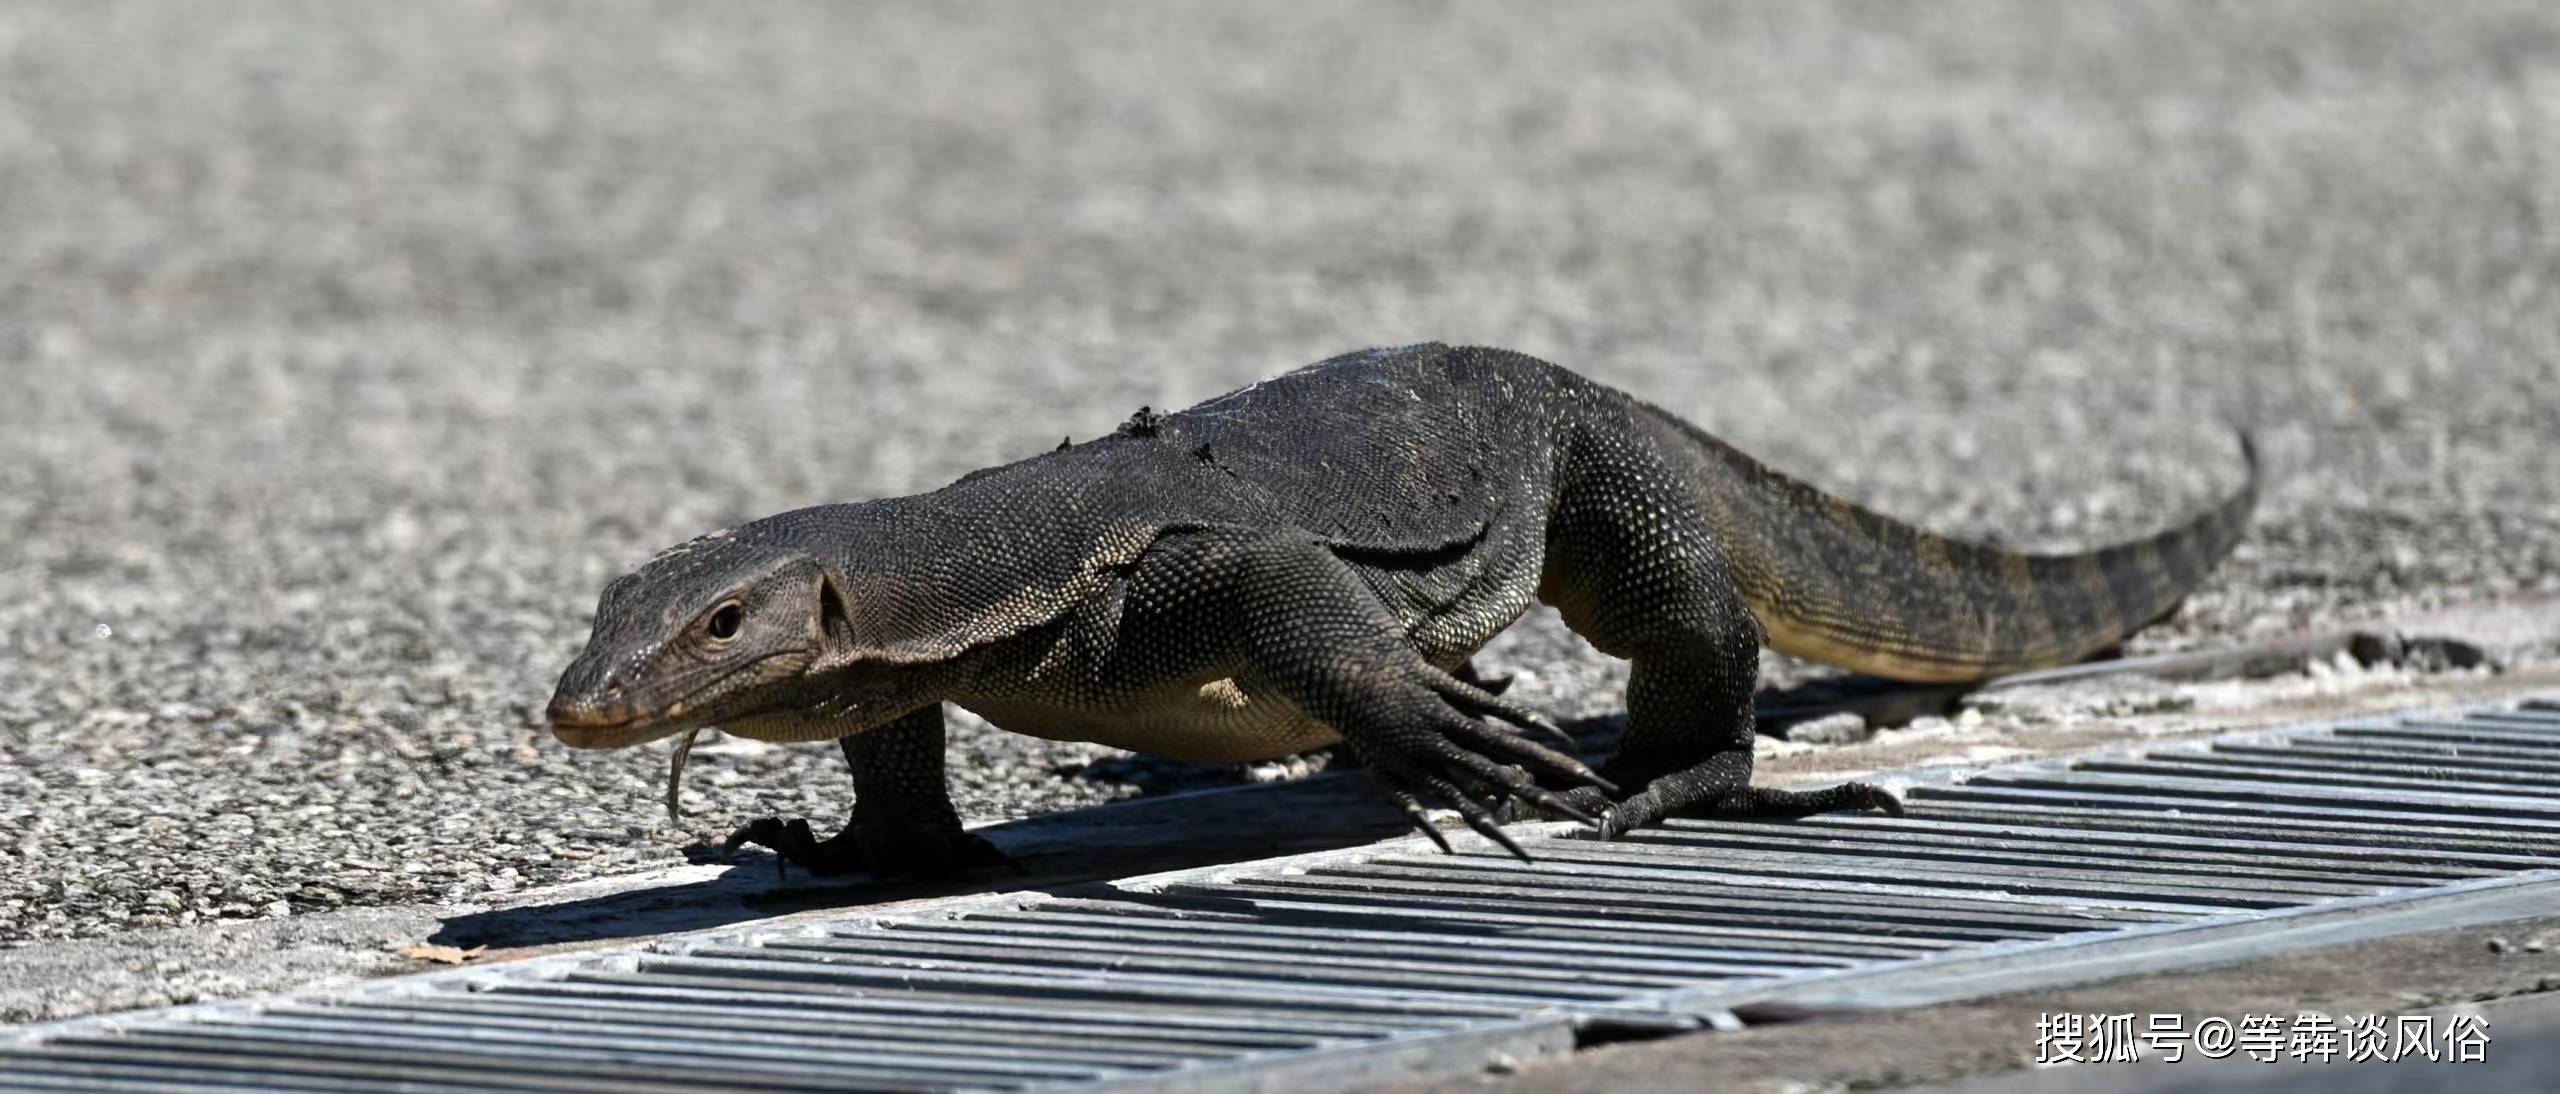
{"x":348,"y":349}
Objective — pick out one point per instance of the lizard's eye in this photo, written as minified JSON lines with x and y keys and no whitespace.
{"x":724,"y":622}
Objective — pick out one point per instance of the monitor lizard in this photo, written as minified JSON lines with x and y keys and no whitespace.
{"x":1313,"y":559}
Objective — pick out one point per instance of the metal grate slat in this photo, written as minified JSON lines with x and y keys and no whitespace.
{"x":1837,"y":887}
{"x":1188,"y":962}
{"x":1920,"y":881}
{"x":1506,"y":924}
{"x":1631,"y":910}
{"x":2161,"y":796}
{"x":2514,"y":812}
{"x":615,"y":1015}
{"x":1386,"y":959}
{"x":599,"y":1041}
{"x":1102,"y":1023}
{"x":2176,"y":823}
{"x":1018,"y":983}
{"x":1427,"y":950}
{"x":2210,"y":767}
{"x":2123,"y":855}
{"x":2444,"y":757}
{"x":391,"y":1058}
{"x":2515,"y":737}
{"x":1339,"y":964}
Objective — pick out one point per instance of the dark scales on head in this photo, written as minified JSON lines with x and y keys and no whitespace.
{"x":1366,"y":524}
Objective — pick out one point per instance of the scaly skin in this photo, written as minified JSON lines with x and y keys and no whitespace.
{"x":1313,"y":559}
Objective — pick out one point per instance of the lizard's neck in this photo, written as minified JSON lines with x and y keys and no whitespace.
{"x":831,"y":704}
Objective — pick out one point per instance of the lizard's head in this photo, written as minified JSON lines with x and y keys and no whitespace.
{"x":721,"y":629}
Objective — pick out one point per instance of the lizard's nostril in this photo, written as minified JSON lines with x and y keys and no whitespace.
{"x":589,"y":702}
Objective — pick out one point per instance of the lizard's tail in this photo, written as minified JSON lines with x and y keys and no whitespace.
{"x":1835,"y":583}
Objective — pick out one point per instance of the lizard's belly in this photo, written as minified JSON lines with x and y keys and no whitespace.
{"x":1217,"y":722}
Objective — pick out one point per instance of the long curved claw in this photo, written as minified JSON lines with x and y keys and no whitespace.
{"x":1558,"y":804}
{"x":1476,"y":816}
{"x":1489,"y":739}
{"x":1479,"y":702}
{"x":788,"y":842}
{"x":1498,"y":780}
{"x":1464,"y":759}
{"x":1415,"y":813}
{"x":762,"y":832}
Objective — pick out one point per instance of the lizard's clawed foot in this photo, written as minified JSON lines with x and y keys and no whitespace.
{"x":916,"y":848}
{"x":1769,"y":803}
{"x":791,"y":841}
{"x":883,"y":849}
{"x":1668,"y":797}
{"x":1463,"y":763}
{"x":1589,"y":804}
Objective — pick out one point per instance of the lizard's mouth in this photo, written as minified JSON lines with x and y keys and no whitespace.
{"x":613,"y":723}
{"x":610,"y":721}
{"x":621,"y":734}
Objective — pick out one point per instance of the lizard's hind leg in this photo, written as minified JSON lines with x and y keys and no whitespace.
{"x":1635,"y":571}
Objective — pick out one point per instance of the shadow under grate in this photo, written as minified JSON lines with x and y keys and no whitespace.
{"x":1392,"y":959}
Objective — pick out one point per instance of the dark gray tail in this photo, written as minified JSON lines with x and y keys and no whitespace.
{"x":1847,"y":586}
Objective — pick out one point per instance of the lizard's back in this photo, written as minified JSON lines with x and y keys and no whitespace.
{"x":1410,"y":449}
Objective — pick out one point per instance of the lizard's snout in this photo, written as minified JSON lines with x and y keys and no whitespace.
{"x":587,"y":707}
{"x":603,"y":708}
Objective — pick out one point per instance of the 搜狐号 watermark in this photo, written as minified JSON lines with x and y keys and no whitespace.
{"x":2308,"y":1037}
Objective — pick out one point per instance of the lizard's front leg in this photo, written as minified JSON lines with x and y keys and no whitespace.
{"x":903,"y":822}
{"x":1285,"y":611}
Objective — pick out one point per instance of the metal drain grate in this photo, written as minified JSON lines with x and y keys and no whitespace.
{"x":1393,"y":959}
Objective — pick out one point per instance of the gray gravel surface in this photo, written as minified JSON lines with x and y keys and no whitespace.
{"x":351,"y":347}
